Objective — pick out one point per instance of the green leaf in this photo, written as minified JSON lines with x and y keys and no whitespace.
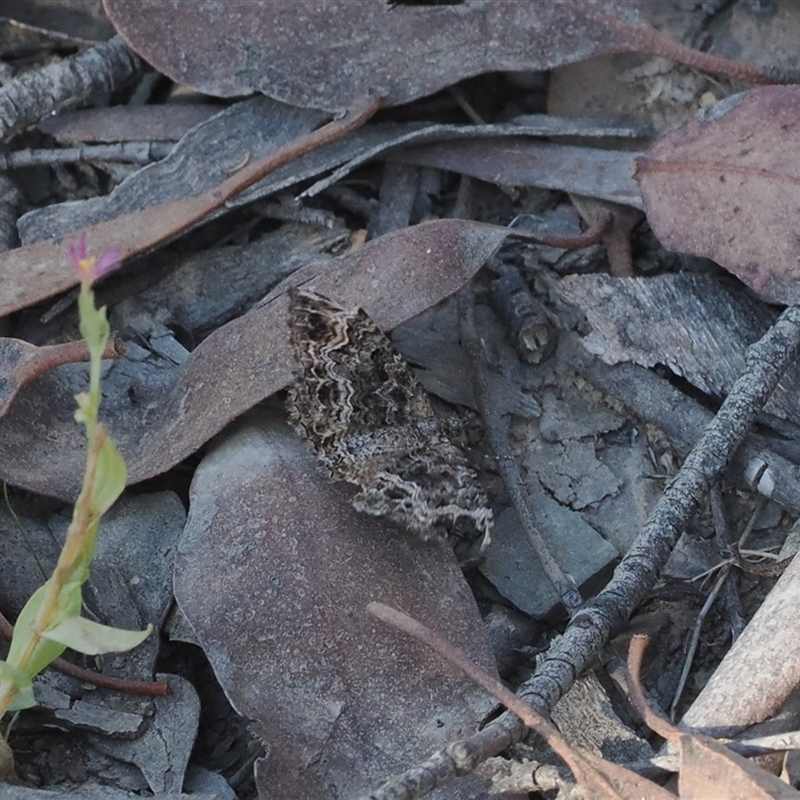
{"x":109,"y":480}
{"x":22,"y":687}
{"x":21,"y":683}
{"x":92,"y":638}
{"x":23,"y":700}
{"x":94,"y":325}
{"x":45,"y":652}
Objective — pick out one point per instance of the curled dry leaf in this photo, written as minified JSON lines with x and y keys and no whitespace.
{"x":726,"y":185}
{"x":708,"y":768}
{"x":306,"y":52}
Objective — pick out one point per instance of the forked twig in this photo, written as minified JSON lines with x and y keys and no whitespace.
{"x":598,"y":779}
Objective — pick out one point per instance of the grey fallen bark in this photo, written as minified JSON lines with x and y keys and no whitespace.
{"x":497,"y":432}
{"x":97,"y":71}
{"x":589,"y":630}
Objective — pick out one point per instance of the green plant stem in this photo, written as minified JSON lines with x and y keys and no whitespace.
{"x":70,"y":552}
{"x":8,"y":693}
{"x":75,"y":539}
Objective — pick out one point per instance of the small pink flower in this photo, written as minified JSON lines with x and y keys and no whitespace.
{"x":90,"y":268}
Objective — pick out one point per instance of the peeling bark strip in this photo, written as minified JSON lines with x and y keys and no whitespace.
{"x":590,"y":629}
{"x":103,"y":69}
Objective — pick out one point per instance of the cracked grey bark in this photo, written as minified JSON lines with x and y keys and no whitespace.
{"x":589,"y":630}
{"x":100,"y":70}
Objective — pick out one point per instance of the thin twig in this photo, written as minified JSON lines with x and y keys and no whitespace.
{"x":596,"y":777}
{"x":654,"y":42}
{"x":530,"y":716}
{"x":720,"y":581}
{"x":589,"y":237}
{"x":141,"y":153}
{"x":730,"y":596}
{"x":695,"y":640}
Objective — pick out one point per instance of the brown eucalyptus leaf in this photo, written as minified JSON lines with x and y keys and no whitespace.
{"x":274,"y":573}
{"x":159,"y":414}
{"x":726,"y":185}
{"x":324,"y":54}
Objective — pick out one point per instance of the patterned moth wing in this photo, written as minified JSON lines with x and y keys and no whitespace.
{"x":371,"y":423}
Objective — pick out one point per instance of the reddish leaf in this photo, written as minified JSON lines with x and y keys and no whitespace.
{"x":709,"y":769}
{"x":326,"y":54}
{"x":726,"y":185}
